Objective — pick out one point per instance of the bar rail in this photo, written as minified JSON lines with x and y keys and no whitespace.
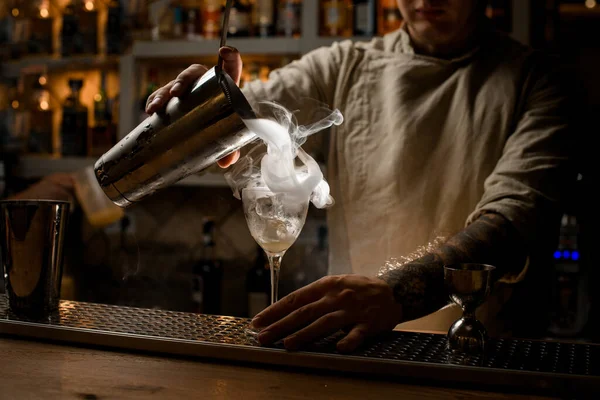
{"x":511,"y":363}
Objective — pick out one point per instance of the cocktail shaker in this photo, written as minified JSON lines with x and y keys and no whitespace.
{"x":191,"y":134}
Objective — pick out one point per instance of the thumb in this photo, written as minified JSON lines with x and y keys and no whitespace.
{"x":232,"y":62}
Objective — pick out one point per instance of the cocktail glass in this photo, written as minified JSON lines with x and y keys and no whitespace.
{"x":275,"y":221}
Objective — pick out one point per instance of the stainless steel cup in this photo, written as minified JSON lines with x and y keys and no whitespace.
{"x":32,"y":234}
{"x":193,"y":133}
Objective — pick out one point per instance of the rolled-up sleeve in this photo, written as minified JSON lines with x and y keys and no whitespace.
{"x":536,"y":169}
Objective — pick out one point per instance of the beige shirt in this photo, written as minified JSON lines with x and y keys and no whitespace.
{"x":428,"y":144}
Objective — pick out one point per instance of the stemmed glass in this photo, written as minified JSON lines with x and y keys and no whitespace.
{"x":275,"y":221}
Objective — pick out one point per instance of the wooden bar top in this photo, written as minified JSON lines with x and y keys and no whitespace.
{"x":41,"y":370}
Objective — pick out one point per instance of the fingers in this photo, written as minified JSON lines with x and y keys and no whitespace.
{"x":157,"y":100}
{"x":296,"y":320}
{"x":229,"y":159}
{"x":185,"y":79}
{"x":232,"y":62}
{"x":287,"y":305}
{"x":355,"y":338}
{"x":327,"y":325}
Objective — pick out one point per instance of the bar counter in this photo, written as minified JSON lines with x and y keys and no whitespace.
{"x":94,"y":351}
{"x":39,"y":370}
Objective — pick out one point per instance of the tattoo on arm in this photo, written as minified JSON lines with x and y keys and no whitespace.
{"x":419,"y":284}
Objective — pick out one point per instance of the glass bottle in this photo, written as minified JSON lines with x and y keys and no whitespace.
{"x":114,"y":28}
{"x":211,"y":18}
{"x":71,"y":40}
{"x":388,"y":16}
{"x":289,"y":18}
{"x":40,"y":118}
{"x":40,"y":29}
{"x":336,"y":18}
{"x":211,"y":272}
{"x":74,"y":125}
{"x":263,"y":18}
{"x":102,"y":132}
{"x":240,"y":18}
{"x":364,"y":17}
{"x":88,"y":26}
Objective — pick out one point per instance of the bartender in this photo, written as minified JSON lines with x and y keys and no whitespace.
{"x":456,"y":147}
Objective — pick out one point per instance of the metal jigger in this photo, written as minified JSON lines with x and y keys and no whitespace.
{"x":468,"y":286}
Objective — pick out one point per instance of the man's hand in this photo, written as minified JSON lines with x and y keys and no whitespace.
{"x":360,"y":305}
{"x":232,"y":64}
{"x":52,"y":187}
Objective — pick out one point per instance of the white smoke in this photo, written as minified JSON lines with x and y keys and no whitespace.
{"x":277,"y":169}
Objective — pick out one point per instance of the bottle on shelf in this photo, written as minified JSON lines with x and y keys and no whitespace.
{"x":177,"y":22}
{"x":40,"y":118}
{"x":336,"y":18}
{"x":71,"y":39}
{"x":114,"y":28}
{"x":74,"y":125}
{"x":389,"y":18}
{"x":208,"y":273}
{"x":240,"y":19}
{"x":258,"y":284}
{"x":39,"y":29}
{"x":193,"y":27}
{"x":263,"y":18}
{"x":103,"y":134}
{"x":365,"y":17}
{"x":211,"y":18}
{"x":571,"y":295}
{"x":289,"y":18}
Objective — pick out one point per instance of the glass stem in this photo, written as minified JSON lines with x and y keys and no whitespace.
{"x":275,"y":266}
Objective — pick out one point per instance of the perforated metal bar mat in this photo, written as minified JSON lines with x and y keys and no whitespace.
{"x":507,"y":362}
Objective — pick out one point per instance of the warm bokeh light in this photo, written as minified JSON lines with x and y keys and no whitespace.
{"x":15,"y":12}
{"x":97,"y":97}
{"x":15,"y":104}
{"x":44,"y":105}
{"x":44,"y":13}
{"x":89,"y":5}
{"x":590,"y":3}
{"x":43,"y":80}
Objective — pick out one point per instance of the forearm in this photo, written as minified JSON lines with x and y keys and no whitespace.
{"x":419,"y":284}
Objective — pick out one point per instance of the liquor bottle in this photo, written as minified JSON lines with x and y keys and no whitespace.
{"x":209,"y":269}
{"x":39,"y":29}
{"x":88,"y":26}
{"x":289,"y":17}
{"x":177,"y":22}
{"x":40,"y":115}
{"x":240,"y":18}
{"x":258,"y":284}
{"x":71,"y":40}
{"x":388,"y":17}
{"x":211,"y":19}
{"x":364,"y":17}
{"x":193,"y":28}
{"x":336,"y":18}
{"x":114,"y":28}
{"x":74,"y":125}
{"x":103,"y":131}
{"x":263,"y":18}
